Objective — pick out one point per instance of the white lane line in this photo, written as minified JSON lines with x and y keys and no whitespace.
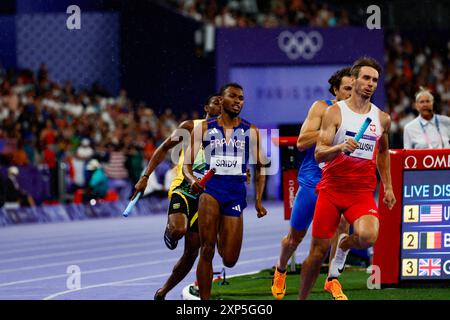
{"x":83,"y":236}
{"x":120,"y":267}
{"x":57,"y":294}
{"x":79,"y":261}
{"x":19,"y":296}
{"x":113,"y":238}
{"x":74,"y":243}
{"x":115,"y":283}
{"x":48,"y":237}
{"x":112,"y":257}
{"x":134,"y":265}
{"x":70,"y":252}
{"x":34,"y":245}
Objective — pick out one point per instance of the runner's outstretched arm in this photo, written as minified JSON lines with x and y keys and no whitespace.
{"x":160,"y":153}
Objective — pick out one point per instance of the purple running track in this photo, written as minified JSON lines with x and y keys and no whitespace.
{"x":119,"y":258}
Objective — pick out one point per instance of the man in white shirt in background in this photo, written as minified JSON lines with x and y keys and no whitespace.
{"x":428,"y":130}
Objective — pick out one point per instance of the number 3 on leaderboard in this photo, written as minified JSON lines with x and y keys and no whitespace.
{"x":409,"y":267}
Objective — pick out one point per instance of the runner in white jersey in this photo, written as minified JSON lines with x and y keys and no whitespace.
{"x":349,"y":175}
{"x":309,"y":175}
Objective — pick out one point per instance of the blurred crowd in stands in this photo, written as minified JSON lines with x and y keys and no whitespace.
{"x":263,"y":13}
{"x":408,"y":66}
{"x":45,"y":123}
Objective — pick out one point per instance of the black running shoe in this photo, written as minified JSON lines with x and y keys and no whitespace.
{"x":158,"y":296}
{"x":170,"y":243}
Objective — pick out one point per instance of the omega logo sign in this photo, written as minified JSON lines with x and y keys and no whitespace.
{"x":428,"y":162}
{"x":411,"y":160}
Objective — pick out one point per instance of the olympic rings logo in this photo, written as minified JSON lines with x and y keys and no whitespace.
{"x":300,"y":44}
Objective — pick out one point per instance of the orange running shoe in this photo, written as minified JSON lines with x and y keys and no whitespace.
{"x":335,"y":288}
{"x":279,"y":284}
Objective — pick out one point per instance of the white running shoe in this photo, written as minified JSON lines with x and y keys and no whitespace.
{"x":337,"y":264}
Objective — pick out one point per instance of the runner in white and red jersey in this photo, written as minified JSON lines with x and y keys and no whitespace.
{"x":349,"y":175}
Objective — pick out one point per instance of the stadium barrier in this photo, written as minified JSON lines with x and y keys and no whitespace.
{"x":11,"y":214}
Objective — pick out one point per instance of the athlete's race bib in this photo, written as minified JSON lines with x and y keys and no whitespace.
{"x":366,"y":146}
{"x":226,"y":165}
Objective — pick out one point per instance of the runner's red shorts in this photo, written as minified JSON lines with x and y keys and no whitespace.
{"x":331,"y":204}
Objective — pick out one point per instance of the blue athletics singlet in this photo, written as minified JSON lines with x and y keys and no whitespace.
{"x":305,"y":200}
{"x":309,"y":174}
{"x":229,"y":159}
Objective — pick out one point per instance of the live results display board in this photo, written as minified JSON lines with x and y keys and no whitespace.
{"x":425,"y":249}
{"x":413,"y":245}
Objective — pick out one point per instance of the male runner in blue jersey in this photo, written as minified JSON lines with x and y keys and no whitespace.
{"x":229,"y":144}
{"x":308,"y":177}
{"x":182,"y":212}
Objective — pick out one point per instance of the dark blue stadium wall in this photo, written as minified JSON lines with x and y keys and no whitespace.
{"x":8,"y":42}
{"x":159,"y":63}
{"x":35,"y":32}
{"x":85,"y":56}
{"x":57,"y":6}
{"x":137,"y":45}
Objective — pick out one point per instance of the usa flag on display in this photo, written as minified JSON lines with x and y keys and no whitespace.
{"x":431,"y":213}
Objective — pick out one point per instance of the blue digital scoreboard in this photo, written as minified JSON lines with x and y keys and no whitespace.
{"x":425,"y":231}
